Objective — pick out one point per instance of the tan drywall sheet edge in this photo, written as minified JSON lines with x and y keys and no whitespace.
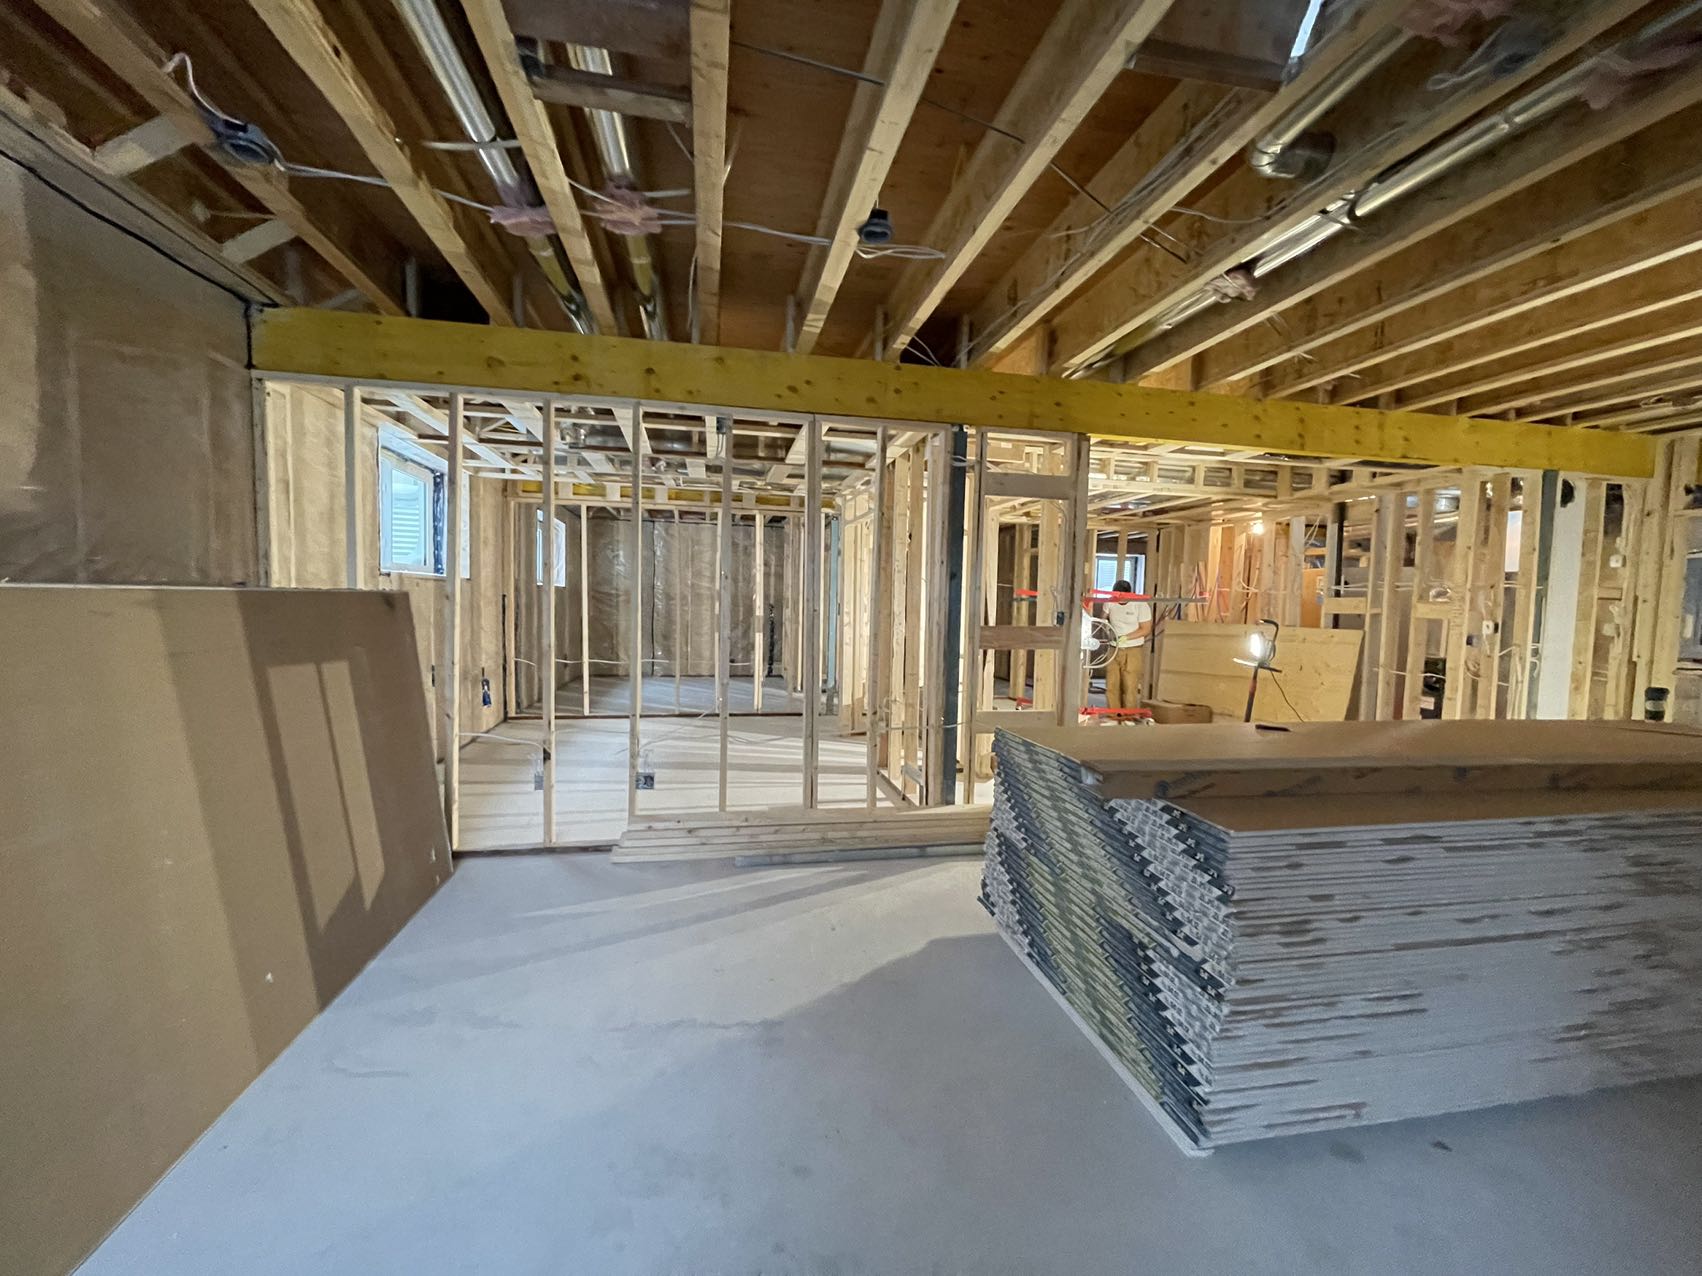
{"x":220,"y":804}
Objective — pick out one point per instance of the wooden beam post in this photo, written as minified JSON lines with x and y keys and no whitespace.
{"x":547,"y":618}
{"x":450,"y":665}
{"x":812,"y":610}
{"x":723,"y":609}
{"x":879,"y":643}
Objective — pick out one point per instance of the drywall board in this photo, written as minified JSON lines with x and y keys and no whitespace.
{"x":218,"y":805}
{"x":1233,"y":759}
{"x":1265,"y":966}
{"x":1312,"y":680}
{"x":126,"y":435}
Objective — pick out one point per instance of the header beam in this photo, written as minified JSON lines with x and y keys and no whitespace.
{"x":376,"y":349}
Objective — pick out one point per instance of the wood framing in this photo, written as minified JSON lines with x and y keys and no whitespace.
{"x":907,"y":38}
{"x":1083,"y":50}
{"x":300,"y":27}
{"x":593,"y":91}
{"x":532,"y":128}
{"x":710,"y":33}
{"x":375,"y":349}
{"x":1576,"y":175}
{"x":114,"y":37}
{"x":1654,"y":237}
{"x":1238,"y":218}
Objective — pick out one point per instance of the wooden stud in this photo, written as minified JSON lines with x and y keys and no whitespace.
{"x":585,"y":609}
{"x":547,"y":617}
{"x":1459,"y":593}
{"x":635,"y":654}
{"x":879,"y":611}
{"x":1581,"y":695}
{"x":449,"y":665}
{"x":724,"y":610}
{"x":352,"y":520}
{"x":1419,"y":625}
{"x":812,"y":611}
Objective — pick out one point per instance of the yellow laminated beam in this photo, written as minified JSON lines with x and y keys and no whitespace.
{"x":374,"y":349}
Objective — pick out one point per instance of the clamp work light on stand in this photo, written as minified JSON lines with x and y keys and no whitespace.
{"x":1262,"y":647}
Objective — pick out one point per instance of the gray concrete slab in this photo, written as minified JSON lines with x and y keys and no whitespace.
{"x":568,"y":1066}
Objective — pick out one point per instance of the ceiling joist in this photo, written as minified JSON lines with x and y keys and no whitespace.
{"x":1546,"y":187}
{"x":906,"y":41}
{"x":710,"y":37}
{"x":125,"y":49}
{"x":537,"y":140}
{"x":300,"y":27}
{"x":1244,"y":214}
{"x":1087,"y":44}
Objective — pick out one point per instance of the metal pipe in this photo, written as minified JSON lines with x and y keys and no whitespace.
{"x":1420,"y":171}
{"x":425,"y":22}
{"x":608,"y":134}
{"x":1286,"y":149}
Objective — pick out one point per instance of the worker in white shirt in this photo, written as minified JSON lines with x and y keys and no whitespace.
{"x":1131,"y":626}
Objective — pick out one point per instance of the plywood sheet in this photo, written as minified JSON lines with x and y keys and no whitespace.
{"x":1312,"y":680}
{"x":219,"y":804}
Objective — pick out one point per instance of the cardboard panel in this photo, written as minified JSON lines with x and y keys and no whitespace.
{"x":219,"y":805}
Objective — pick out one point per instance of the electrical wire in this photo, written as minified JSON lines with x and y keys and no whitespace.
{"x":1277,"y":683}
{"x":876,"y":81}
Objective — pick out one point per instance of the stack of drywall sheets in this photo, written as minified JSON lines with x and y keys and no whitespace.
{"x":1376,"y":922}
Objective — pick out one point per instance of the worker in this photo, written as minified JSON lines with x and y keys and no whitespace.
{"x":1131,"y":626}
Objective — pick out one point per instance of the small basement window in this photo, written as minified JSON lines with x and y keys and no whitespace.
{"x":413,"y":509}
{"x":561,"y":550}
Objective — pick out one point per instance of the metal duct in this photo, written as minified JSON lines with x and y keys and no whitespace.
{"x":1286,"y":149}
{"x":425,"y":22}
{"x":608,"y":133}
{"x":1420,"y":171}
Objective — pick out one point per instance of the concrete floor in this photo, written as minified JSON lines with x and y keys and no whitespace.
{"x":568,"y":1066}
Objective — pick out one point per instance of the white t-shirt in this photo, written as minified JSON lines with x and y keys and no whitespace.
{"x":1125,"y":618}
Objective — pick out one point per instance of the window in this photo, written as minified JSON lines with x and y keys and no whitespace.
{"x":1105,"y":571}
{"x":561,"y":550}
{"x":413,"y":508}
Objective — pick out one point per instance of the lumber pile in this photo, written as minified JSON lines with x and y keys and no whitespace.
{"x":1299,"y":935}
{"x":773,"y":832}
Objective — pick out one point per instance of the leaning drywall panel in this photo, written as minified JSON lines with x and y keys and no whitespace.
{"x":219,"y":804}
{"x":126,"y":435}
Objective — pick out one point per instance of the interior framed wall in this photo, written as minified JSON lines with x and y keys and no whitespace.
{"x":919,"y":586}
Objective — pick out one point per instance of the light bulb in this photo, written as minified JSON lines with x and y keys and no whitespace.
{"x":1256,"y":646}
{"x":1258,"y":527}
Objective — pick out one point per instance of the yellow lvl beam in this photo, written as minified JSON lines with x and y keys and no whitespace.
{"x":379,"y":348}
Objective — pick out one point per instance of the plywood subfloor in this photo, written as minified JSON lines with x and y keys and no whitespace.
{"x":565,"y":1065}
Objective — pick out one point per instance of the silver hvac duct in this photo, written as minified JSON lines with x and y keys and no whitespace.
{"x":1286,"y":149}
{"x":608,"y":133}
{"x":425,"y":22}
{"x":1416,"y":173}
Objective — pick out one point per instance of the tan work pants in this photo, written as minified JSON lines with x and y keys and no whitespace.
{"x":1123,"y":678}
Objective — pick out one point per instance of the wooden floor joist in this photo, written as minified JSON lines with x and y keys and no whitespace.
{"x":374,"y":349}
